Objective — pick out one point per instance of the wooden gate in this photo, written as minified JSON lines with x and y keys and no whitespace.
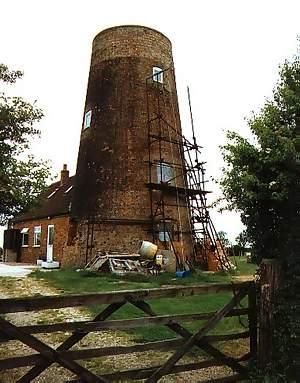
{"x":179,"y":346}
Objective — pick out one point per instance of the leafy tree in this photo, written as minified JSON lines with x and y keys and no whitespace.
{"x":22,"y":178}
{"x":223,"y":237}
{"x":242,"y":241}
{"x":261,"y":181}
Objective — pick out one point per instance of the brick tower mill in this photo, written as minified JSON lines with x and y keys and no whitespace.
{"x":131,"y":182}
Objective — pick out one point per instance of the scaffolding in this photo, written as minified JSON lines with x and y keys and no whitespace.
{"x":174,"y":184}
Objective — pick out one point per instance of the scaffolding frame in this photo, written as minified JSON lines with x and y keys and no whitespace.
{"x":192,"y":194}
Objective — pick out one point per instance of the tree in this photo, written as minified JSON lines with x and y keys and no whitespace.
{"x":241,"y":241}
{"x":261,"y":181}
{"x":222,"y":236}
{"x":22,"y":178}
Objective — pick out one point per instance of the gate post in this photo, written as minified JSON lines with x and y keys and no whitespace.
{"x":270,"y":272}
{"x":252,"y":317}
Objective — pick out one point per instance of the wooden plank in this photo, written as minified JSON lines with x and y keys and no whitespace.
{"x":68,"y":343}
{"x":144,"y":373}
{"x":42,"y":303}
{"x":196,"y":337}
{"x":81,"y":354}
{"x":49,"y":353}
{"x":29,"y":360}
{"x":88,"y":326}
{"x":20,"y":361}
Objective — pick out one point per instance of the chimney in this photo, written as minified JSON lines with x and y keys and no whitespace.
{"x":64,"y":175}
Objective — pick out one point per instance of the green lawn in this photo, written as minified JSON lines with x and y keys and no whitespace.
{"x":243,"y":268}
{"x":72,"y":281}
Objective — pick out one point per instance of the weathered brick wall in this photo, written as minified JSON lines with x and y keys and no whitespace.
{"x":131,"y":41}
{"x":108,"y":238}
{"x":112,"y":168}
{"x":31,"y":253}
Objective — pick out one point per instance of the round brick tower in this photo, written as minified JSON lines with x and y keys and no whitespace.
{"x":130,"y":148}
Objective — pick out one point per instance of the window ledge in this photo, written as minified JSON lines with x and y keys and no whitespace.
{"x":24,"y":246}
{"x":36,"y":246}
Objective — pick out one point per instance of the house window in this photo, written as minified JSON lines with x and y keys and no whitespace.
{"x":87,"y":119}
{"x":37,"y":236}
{"x":165,"y":174}
{"x":24,"y":237}
{"x":157,"y":74}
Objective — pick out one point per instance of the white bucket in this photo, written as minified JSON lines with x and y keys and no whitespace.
{"x":148,"y":249}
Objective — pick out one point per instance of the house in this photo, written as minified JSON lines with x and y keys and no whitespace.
{"x":44,"y":231}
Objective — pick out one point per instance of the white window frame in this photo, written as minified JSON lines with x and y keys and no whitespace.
{"x":69,"y":189}
{"x":37,"y":233}
{"x":24,"y":232}
{"x":87,"y":119}
{"x":52,"y":194}
{"x":157,"y":74}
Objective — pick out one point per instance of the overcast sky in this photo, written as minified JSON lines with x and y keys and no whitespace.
{"x":227,"y":51}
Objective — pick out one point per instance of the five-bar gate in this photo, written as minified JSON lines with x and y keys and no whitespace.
{"x":177,"y":347}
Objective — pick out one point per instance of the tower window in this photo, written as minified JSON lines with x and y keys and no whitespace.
{"x":164,"y":236}
{"x":165,"y":231}
{"x":87,"y":119}
{"x":165,"y":174}
{"x":157,"y":74}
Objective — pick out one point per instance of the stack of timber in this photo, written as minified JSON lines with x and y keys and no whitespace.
{"x":116,"y":263}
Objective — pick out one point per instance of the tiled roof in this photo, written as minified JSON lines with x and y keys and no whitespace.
{"x":55,"y":200}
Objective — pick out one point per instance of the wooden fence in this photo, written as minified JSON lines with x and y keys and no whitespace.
{"x":45,"y":355}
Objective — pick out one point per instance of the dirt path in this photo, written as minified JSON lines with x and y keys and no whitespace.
{"x":20,"y":287}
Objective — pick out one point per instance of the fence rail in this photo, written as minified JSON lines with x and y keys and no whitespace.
{"x":178,"y":347}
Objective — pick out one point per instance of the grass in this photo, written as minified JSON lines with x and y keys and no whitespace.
{"x":243,"y":268}
{"x":72,"y":281}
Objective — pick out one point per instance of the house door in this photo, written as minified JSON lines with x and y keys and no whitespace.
{"x":50,"y":239}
